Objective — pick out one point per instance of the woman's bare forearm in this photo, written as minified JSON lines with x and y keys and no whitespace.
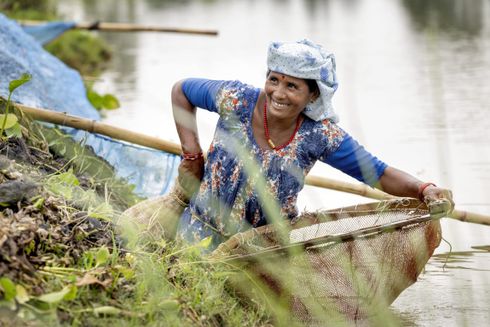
{"x":185,"y":120}
{"x":399,"y":183}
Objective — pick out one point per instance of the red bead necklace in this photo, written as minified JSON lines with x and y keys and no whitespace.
{"x":267,"y":136}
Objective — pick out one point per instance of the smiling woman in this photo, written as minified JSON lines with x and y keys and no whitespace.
{"x":283,"y":129}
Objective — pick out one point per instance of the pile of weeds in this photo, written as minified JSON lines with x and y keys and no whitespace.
{"x":63,"y":260}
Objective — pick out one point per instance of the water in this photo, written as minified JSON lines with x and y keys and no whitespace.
{"x":413,"y":89}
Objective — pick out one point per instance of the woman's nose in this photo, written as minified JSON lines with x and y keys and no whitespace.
{"x":279,"y":92}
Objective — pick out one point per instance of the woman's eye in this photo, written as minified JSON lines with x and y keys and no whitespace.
{"x":273,"y":79}
{"x":292,"y":86}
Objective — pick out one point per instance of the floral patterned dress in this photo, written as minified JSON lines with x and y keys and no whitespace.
{"x":245,"y":186}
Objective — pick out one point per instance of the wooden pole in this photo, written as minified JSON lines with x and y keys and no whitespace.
{"x":358,"y":189}
{"x":93,"y":126}
{"x":159,"y":144}
{"x":127,"y":27}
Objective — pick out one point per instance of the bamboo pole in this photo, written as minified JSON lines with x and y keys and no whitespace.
{"x":127,"y":27}
{"x":358,"y":189}
{"x":159,"y":144}
{"x":93,"y":126}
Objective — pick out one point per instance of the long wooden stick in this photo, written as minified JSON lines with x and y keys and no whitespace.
{"x":159,"y":144}
{"x":93,"y":126}
{"x":127,"y":27}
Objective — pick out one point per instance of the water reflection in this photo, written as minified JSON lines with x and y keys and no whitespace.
{"x":124,"y":60}
{"x":162,"y":4}
{"x":447,"y":15}
{"x":316,"y":7}
{"x":452,"y":291}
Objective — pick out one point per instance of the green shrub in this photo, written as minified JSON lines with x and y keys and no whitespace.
{"x":81,"y":50}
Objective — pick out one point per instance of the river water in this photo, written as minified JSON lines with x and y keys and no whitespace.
{"x":413,"y":90}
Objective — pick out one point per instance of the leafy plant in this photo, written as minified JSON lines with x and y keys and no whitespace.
{"x":9,"y":122}
{"x":102,"y":101}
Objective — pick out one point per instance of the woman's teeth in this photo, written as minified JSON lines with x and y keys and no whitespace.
{"x":279,"y":105}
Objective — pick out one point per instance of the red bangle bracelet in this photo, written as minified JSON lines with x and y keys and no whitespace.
{"x":191,"y":156}
{"x":422,"y":187}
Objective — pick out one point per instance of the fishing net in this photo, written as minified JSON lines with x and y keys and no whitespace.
{"x":156,"y":218}
{"x":344,"y":264}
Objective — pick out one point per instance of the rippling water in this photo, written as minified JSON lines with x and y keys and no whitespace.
{"x":413,"y":89}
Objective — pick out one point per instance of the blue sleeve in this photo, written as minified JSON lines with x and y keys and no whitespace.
{"x":202,"y":92}
{"x":354,"y":160}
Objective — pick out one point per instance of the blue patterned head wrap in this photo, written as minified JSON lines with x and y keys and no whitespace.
{"x":307,"y":60}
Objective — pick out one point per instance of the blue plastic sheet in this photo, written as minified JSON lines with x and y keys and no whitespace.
{"x":57,"y":87}
{"x":151,"y":171}
{"x":46,"y":33}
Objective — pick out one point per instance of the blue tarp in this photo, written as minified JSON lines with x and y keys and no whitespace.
{"x":46,"y":33}
{"x":57,"y":87}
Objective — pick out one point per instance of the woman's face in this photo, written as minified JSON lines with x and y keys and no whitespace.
{"x":287,"y":96}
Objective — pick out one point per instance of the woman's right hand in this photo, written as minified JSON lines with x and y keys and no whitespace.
{"x":190,"y":175}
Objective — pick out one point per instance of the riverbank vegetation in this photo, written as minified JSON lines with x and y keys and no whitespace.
{"x":64,"y":260}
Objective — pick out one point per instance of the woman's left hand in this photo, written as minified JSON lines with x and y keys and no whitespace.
{"x":190,"y":175}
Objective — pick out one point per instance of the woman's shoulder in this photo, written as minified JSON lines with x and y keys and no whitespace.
{"x":327,"y":128}
{"x":323,"y":134}
{"x":237,"y":88}
{"x":235,"y":94}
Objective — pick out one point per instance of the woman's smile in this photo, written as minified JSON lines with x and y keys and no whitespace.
{"x":279,"y":105}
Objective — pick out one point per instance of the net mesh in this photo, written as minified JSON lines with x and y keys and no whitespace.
{"x":335,"y":274}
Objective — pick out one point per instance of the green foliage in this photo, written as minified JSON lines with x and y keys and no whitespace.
{"x":63,"y":184}
{"x":9,"y":122}
{"x":102,"y":256}
{"x":102,"y":176}
{"x":29,"y":9}
{"x":24,"y":78}
{"x":8,"y":288}
{"x":102,"y":101}
{"x":68,"y":293}
{"x":81,"y":50}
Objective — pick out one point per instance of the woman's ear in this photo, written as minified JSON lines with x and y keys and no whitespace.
{"x":315,"y":96}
